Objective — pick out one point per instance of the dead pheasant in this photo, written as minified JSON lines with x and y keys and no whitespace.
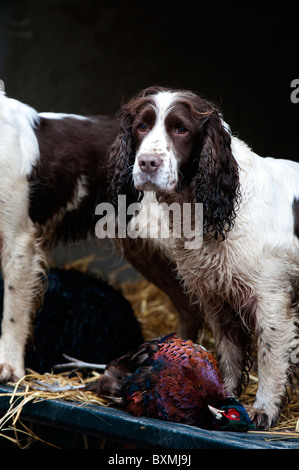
{"x":173,"y":380}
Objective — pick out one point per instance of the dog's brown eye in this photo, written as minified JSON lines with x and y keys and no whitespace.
{"x":181,"y":130}
{"x":142,"y":127}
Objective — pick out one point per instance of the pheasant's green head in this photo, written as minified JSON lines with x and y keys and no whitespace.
{"x":230,"y":416}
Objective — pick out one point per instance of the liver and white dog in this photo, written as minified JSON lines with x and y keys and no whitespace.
{"x":244,"y":276}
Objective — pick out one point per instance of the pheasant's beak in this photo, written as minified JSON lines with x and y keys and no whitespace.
{"x":215,"y":412}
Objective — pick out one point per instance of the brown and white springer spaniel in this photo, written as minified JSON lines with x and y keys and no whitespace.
{"x":244,"y":277}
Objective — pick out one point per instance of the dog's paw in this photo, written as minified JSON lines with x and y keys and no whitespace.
{"x":260,"y":418}
{"x":9,"y":373}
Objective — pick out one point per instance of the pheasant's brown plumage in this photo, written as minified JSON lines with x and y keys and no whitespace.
{"x":170,"y":379}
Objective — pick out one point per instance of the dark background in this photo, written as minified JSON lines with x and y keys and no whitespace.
{"x":87,"y":56}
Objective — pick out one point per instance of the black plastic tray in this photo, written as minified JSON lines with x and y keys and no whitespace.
{"x":118,"y":425}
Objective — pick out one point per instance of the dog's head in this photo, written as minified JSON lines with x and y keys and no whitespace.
{"x":173,"y":139}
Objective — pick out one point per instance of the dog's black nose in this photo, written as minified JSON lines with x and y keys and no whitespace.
{"x":149,"y":163}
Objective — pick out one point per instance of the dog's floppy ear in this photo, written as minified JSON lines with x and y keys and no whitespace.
{"x":121,"y":157}
{"x":217,"y":179}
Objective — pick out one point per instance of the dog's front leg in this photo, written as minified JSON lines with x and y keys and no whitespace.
{"x":276,"y":333}
{"x":23,"y":264}
{"x":233,"y":352}
{"x":18,"y":266}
